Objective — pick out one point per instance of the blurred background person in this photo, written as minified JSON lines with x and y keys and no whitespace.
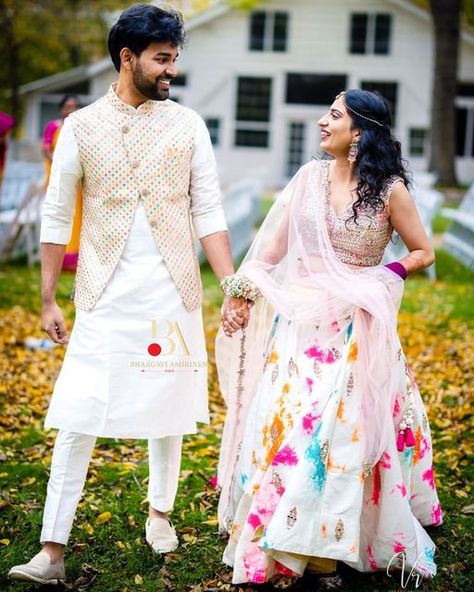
{"x":68,"y":104}
{"x":6,"y":124}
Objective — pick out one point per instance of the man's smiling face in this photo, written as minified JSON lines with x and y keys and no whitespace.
{"x":153,"y":70}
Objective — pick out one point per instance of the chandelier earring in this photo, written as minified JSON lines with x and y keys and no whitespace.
{"x":353,"y":152}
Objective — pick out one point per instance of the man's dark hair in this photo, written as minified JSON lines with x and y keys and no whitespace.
{"x":142,"y":24}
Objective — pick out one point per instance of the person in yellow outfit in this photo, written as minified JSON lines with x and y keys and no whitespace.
{"x":68,"y":104}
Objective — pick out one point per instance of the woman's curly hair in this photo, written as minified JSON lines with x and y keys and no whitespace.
{"x":379,"y":154}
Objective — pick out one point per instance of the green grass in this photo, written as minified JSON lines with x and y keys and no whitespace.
{"x":20,"y":286}
{"x":112,"y":557}
{"x":450,"y":297}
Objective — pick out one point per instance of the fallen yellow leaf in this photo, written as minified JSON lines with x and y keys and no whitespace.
{"x":104,"y":517}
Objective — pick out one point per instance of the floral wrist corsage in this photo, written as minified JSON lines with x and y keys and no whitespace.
{"x":238,"y":286}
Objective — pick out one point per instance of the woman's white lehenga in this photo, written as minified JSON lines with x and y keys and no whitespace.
{"x":112,"y":383}
{"x":316,"y":389}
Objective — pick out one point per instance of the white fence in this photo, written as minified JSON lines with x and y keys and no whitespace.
{"x":242,"y":203}
{"x":21,"y":196}
{"x":22,"y":193}
{"x":459,"y":238}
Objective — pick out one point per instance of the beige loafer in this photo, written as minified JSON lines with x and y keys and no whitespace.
{"x":39,"y":570}
{"x":160,"y":535}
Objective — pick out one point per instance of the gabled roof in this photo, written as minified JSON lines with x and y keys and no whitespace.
{"x":75,"y":75}
{"x":56,"y":81}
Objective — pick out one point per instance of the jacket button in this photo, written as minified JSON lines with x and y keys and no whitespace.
{"x":145,"y":193}
{"x":153,"y":223}
{"x":135,"y":164}
{"x":125,"y":129}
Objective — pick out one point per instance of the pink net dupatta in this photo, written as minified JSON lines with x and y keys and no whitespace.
{"x":296,"y":269}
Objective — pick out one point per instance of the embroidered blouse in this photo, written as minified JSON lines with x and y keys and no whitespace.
{"x":360,"y":242}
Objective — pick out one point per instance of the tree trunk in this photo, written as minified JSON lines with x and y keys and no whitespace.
{"x":446,"y":19}
{"x":11,"y":52}
{"x":11,"y":57}
{"x":75,"y":54}
{"x":13,"y":65}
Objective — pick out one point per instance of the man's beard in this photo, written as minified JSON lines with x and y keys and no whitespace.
{"x":150,"y":90}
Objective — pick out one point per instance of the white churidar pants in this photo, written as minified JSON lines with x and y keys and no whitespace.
{"x":71,"y":457}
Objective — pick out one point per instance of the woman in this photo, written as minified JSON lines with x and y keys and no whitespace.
{"x":326,"y":451}
{"x":68,"y":104}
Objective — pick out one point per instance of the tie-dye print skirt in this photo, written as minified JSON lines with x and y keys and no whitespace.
{"x":300,"y":487}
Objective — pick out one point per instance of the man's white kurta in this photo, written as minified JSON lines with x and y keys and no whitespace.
{"x":136,"y":364}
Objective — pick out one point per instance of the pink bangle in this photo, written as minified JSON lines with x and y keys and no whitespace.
{"x":397,"y":268}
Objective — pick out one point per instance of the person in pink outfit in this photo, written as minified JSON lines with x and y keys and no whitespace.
{"x":6,"y":124}
{"x":326,"y":453}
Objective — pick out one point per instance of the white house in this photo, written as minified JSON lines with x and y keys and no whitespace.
{"x":262,"y":79}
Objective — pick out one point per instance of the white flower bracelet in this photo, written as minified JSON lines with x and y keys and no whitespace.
{"x":238,"y":286}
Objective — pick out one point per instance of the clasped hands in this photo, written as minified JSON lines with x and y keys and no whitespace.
{"x":235,"y":313}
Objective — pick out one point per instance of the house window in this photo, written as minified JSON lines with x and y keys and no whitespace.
{"x":180,"y":80}
{"x":388,"y":89}
{"x":251,"y":138}
{"x":383,"y":26}
{"x":213,"y":126}
{"x":314,"y":89}
{"x":296,"y":146}
{"x":253,"y":98}
{"x":465,"y":89}
{"x":253,"y":114}
{"x":417,"y":144}
{"x":370,"y":33}
{"x":465,"y":131}
{"x":268,"y":31}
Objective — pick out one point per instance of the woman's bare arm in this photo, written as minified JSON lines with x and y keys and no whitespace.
{"x":406,"y":221}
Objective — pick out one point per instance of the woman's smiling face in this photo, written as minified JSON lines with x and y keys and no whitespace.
{"x":336,"y":129}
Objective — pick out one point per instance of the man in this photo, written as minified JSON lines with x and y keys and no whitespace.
{"x":136,"y":362}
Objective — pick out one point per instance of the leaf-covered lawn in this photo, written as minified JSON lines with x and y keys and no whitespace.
{"x":107,"y":551}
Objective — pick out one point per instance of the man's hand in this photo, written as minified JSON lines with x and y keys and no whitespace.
{"x":52,"y":321}
{"x":235,"y":314}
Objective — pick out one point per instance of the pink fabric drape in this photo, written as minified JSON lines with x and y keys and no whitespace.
{"x":294,"y":265}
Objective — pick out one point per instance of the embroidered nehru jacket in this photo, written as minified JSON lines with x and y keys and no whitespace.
{"x":127,"y":155}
